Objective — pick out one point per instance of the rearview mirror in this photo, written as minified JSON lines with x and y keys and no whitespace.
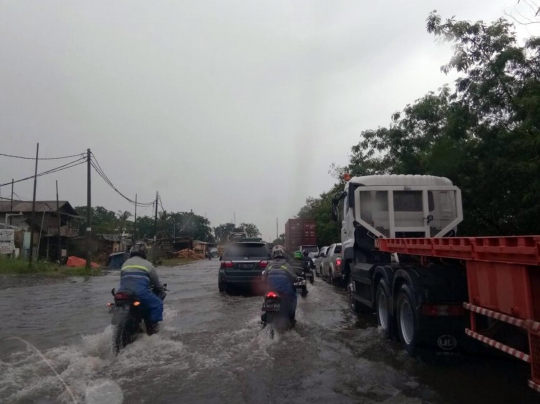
{"x":334,"y":210}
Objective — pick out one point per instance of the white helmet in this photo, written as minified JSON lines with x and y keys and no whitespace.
{"x":278,"y":252}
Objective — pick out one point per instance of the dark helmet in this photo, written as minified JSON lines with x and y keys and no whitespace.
{"x":138,"y":250}
{"x":305,"y":252}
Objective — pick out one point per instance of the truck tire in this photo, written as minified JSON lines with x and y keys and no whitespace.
{"x":407,"y":319}
{"x":382,"y":309}
{"x":331,"y":278}
{"x":356,"y":306}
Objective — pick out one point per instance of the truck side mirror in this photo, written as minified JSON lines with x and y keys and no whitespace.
{"x":334,"y":210}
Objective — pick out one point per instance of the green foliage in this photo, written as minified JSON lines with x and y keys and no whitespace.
{"x":280,"y":240}
{"x":319,"y":209}
{"x":103,"y":220}
{"x":484,"y":135}
{"x":250,"y":229}
{"x":222,"y":232}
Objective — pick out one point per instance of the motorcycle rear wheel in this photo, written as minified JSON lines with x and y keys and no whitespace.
{"x":123,"y":335}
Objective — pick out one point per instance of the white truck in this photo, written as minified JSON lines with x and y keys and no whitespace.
{"x":401,"y":206}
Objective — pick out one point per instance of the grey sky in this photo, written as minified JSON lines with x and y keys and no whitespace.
{"x":222,"y":106}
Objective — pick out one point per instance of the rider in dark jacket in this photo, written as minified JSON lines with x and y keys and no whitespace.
{"x":280,"y":277}
{"x":307,"y":261}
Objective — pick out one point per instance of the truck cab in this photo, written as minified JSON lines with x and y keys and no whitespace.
{"x":375,"y":207}
{"x":395,"y":206}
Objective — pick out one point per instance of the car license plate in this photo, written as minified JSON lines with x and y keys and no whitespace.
{"x":271,"y":307}
{"x":245,"y":266}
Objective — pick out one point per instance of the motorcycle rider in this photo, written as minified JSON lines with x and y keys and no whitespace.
{"x":280,"y":277}
{"x":139,"y":276}
{"x":307,"y":261}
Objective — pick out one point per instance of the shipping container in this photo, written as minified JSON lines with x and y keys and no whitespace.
{"x":299,"y":232}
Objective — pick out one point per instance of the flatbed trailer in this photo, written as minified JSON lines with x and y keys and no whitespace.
{"x":503,"y":281}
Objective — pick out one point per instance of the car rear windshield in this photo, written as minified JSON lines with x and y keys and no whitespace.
{"x":255,"y":250}
{"x":337,"y":249}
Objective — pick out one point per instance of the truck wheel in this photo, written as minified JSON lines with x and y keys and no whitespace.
{"x":407,"y":319}
{"x":331,"y":279}
{"x":382,"y":309}
{"x":356,"y":307}
{"x":317,"y":273}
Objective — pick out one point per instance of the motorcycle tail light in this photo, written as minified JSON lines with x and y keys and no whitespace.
{"x":136,"y":303}
{"x":121,"y":296}
{"x":271,"y":295}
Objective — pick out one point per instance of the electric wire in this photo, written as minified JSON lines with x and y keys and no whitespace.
{"x":42,"y":158}
{"x":66,"y":166}
{"x":97,"y":167}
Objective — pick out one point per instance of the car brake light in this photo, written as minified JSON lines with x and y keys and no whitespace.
{"x":136,"y":303}
{"x":263,"y":264}
{"x":226,"y":264}
{"x":338,"y":262}
{"x":442,"y":310}
{"x":271,"y":295}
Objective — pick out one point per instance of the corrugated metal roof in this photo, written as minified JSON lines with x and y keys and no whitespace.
{"x":396,"y":180}
{"x":41,"y":206}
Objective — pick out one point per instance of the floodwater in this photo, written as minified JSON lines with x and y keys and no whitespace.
{"x":211,"y":350}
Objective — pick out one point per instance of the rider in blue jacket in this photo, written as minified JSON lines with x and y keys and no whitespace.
{"x":280,"y":277}
{"x":139,"y":276}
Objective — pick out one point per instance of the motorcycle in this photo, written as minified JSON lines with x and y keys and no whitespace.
{"x":128,"y":317}
{"x":275,"y":314}
{"x":310,"y":274}
{"x":301,"y":284}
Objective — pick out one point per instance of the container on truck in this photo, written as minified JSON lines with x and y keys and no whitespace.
{"x":299,"y":232}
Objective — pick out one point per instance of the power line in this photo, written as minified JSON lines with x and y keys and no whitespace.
{"x":41,"y":158}
{"x":66,"y":166}
{"x":95,"y":164}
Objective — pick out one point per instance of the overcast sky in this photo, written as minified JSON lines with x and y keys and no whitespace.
{"x":223,"y":106}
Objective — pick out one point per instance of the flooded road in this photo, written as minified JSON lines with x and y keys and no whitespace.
{"x":211,"y":350}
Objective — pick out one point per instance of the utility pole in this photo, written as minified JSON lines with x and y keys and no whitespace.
{"x":88,"y":209}
{"x":155,"y":218}
{"x":33,"y":211}
{"x":234,"y":219}
{"x":277,"y":227}
{"x":59,"y":246}
{"x":11,"y":207}
{"x":135,"y":222}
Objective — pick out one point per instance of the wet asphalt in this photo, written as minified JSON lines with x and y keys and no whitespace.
{"x":211,"y":349}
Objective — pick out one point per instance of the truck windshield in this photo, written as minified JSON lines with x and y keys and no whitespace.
{"x":337,"y":249}
{"x":310,"y":248}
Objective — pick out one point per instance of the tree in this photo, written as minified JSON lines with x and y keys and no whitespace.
{"x":122,"y":219}
{"x":222,"y":232}
{"x":319,"y":209}
{"x":280,"y":240}
{"x":250,"y":229}
{"x":103,"y":220}
{"x":484,"y":135}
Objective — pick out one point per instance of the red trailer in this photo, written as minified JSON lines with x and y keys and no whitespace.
{"x":503,"y":279}
{"x":299,"y":232}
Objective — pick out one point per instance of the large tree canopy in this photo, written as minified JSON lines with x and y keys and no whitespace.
{"x":484,"y":134}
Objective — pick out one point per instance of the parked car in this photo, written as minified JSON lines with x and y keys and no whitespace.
{"x":319,"y":259}
{"x":331,"y":264}
{"x":242,"y":265}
